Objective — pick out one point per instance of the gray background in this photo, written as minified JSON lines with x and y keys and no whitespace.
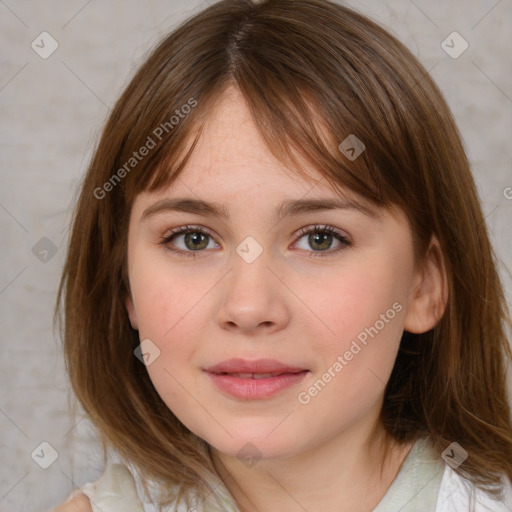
{"x":52,"y":110}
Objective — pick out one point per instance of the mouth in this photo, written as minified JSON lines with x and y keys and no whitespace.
{"x":267,"y":367}
{"x":258,"y":379}
{"x":257,"y":376}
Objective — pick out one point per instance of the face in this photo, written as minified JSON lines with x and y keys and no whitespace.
{"x":324,"y":293}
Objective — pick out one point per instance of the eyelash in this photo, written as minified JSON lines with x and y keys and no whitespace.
{"x":303,"y":232}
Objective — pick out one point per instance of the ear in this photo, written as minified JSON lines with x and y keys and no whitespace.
{"x":131,"y":313}
{"x":429,"y":292}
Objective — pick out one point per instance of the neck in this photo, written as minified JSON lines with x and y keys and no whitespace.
{"x":350,"y":471}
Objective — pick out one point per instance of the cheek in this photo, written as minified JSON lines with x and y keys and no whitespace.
{"x":360,"y":298}
{"x":167,"y":308}
{"x":161,"y":295}
{"x":170,"y":308}
{"x":366,"y":312}
{"x":365,"y":308}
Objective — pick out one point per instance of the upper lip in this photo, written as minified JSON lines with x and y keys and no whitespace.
{"x":238,"y":365}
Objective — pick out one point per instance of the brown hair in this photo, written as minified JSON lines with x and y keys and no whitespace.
{"x":312,"y":72}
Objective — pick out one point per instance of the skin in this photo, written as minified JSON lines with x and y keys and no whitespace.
{"x":286,"y":305}
{"x":76,"y":504}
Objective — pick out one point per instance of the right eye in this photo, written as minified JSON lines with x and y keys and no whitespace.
{"x":193,"y":240}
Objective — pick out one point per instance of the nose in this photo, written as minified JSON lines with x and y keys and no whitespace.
{"x":253,"y":298}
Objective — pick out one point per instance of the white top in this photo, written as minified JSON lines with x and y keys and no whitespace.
{"x":424,"y":483}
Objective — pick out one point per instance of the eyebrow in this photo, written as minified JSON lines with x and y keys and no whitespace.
{"x":286,"y":209}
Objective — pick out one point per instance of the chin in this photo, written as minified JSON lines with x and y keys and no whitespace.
{"x":257,"y":444}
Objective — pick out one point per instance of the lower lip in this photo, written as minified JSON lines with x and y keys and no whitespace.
{"x":251,"y":389}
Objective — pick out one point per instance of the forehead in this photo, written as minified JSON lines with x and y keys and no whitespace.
{"x":230,"y":145}
{"x":231,"y":163}
{"x":230,"y":154}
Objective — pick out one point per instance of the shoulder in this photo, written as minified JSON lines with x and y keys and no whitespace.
{"x":458,"y":493}
{"x":77,"y":503}
{"x":114,"y":491}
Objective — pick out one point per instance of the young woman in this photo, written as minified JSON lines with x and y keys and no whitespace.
{"x":279,"y":291}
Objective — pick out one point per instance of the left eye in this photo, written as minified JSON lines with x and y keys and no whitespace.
{"x":322,"y":237}
{"x":195,"y":239}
